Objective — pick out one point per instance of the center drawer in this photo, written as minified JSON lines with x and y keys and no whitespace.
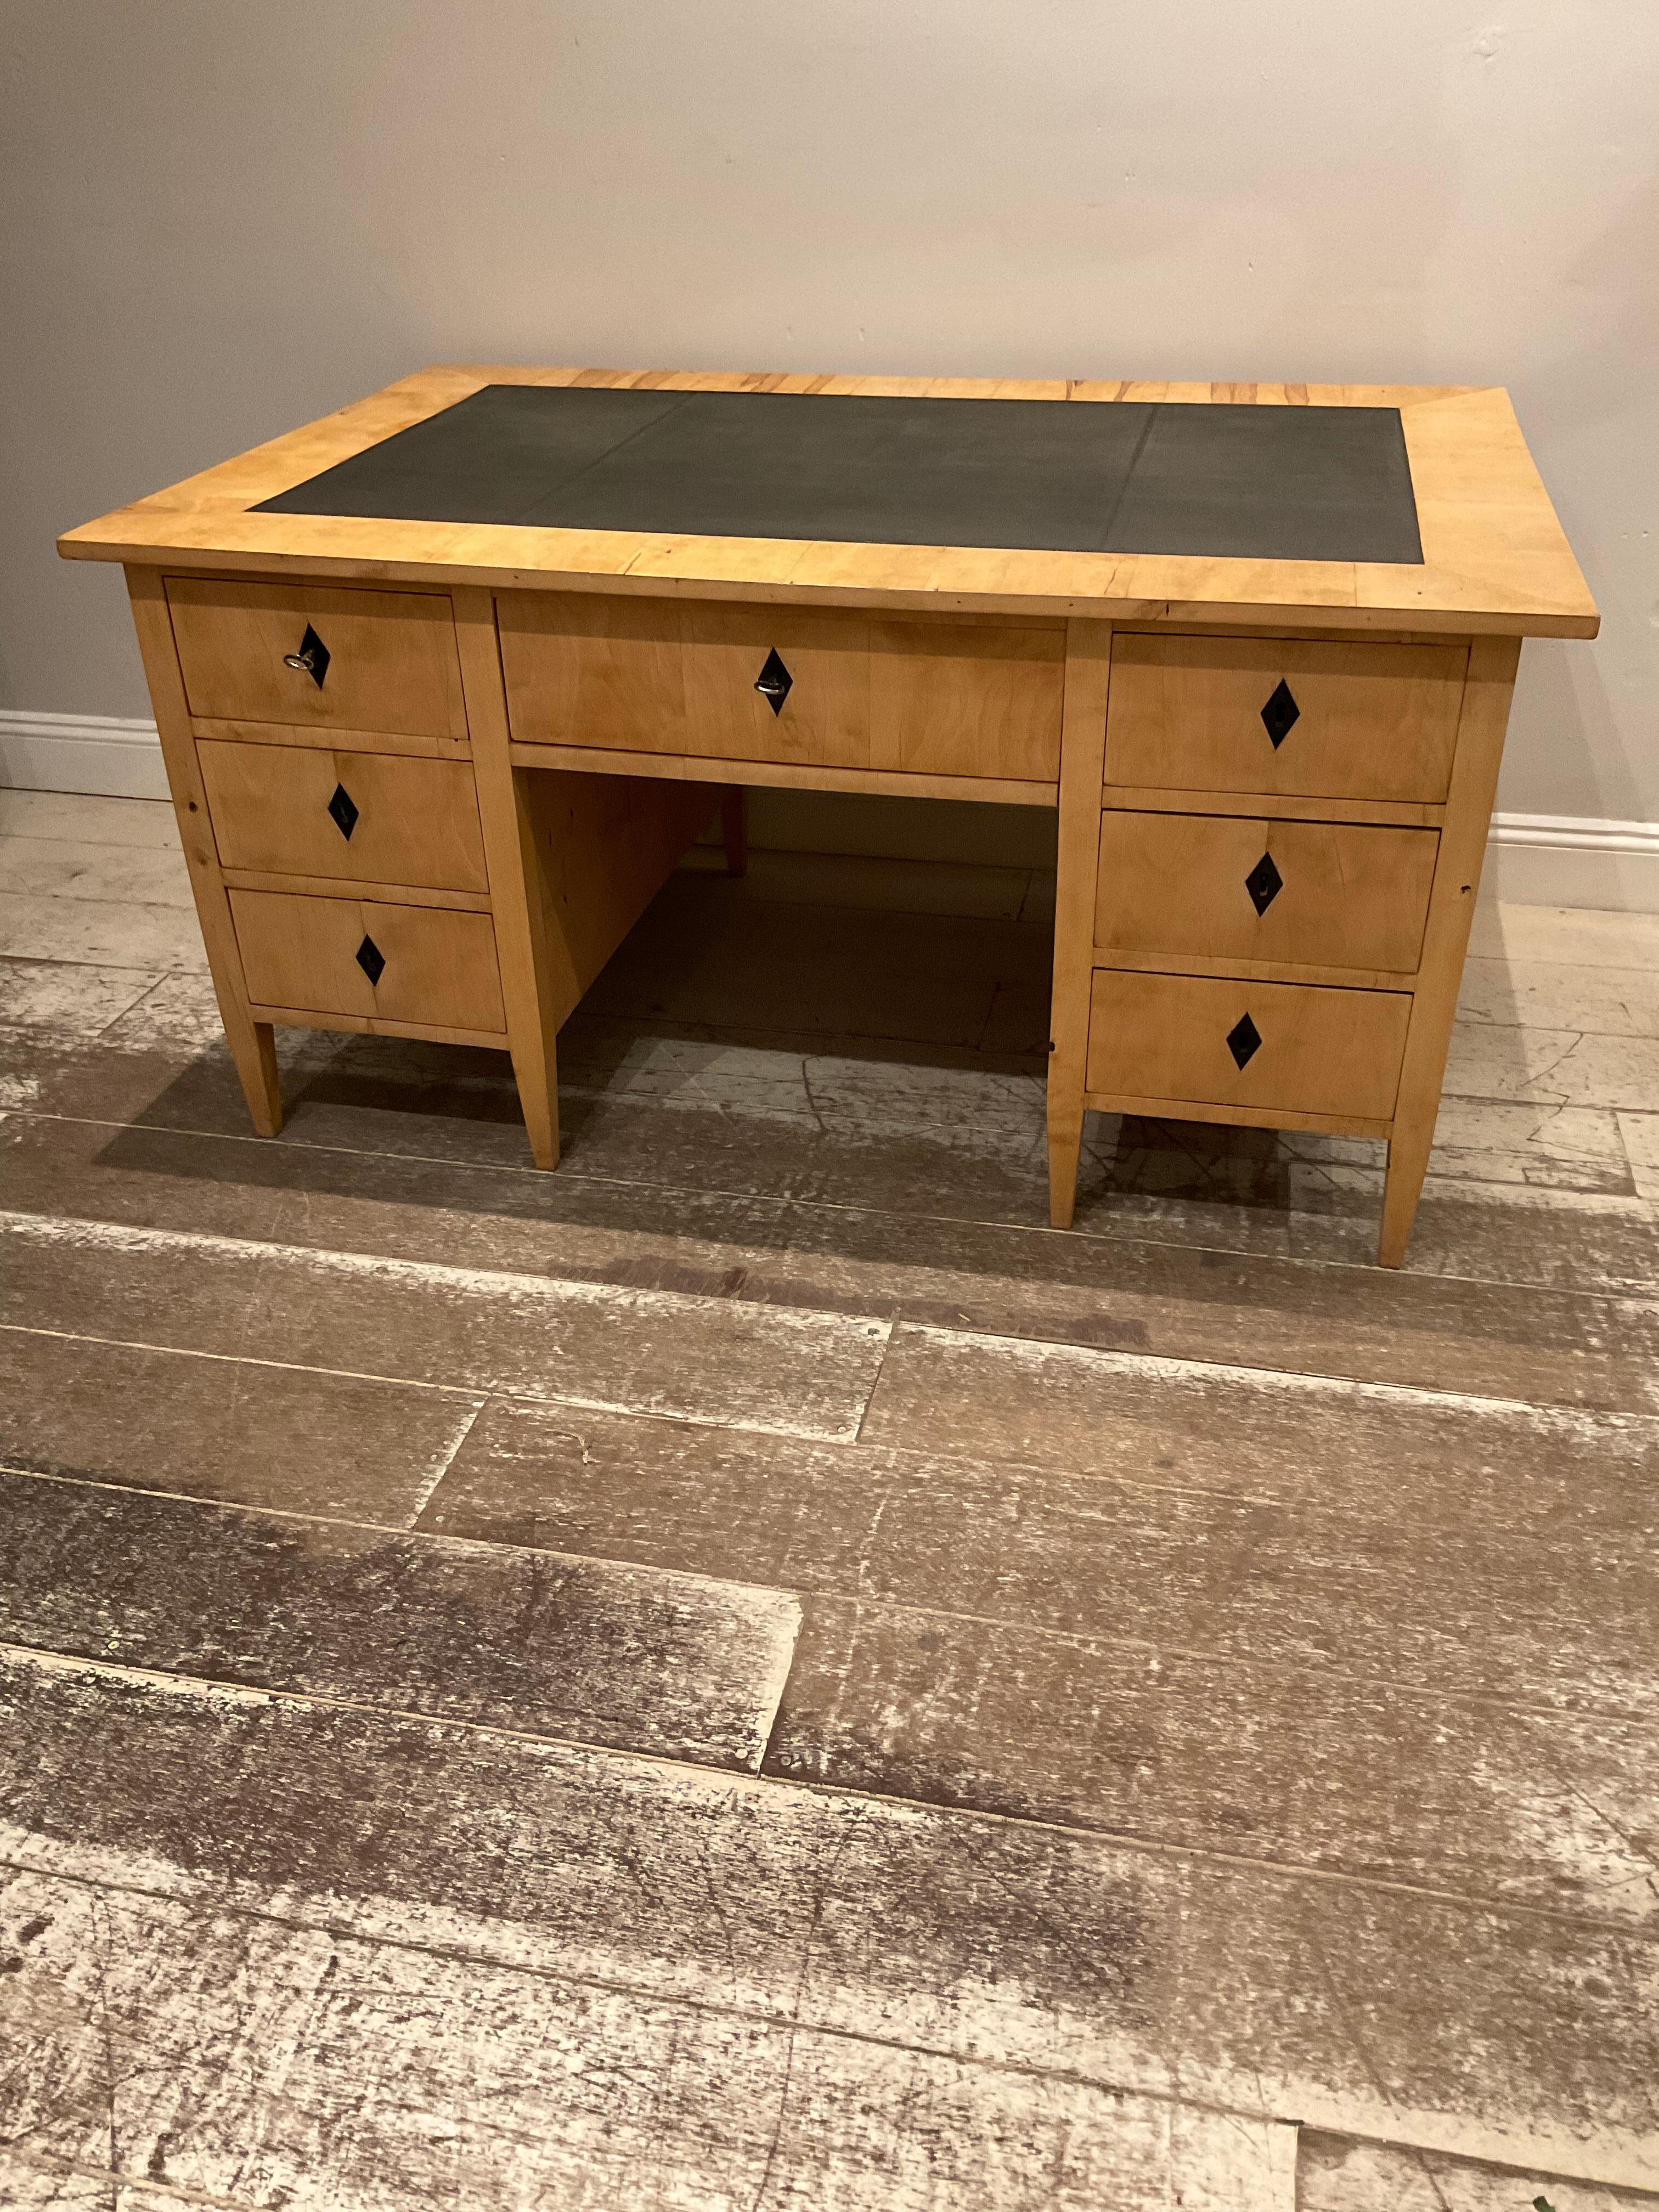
{"x":319,"y":659}
{"x":372,"y":818}
{"x":1284,"y":717}
{"x":428,"y":966}
{"x":1230,"y":887}
{"x":807,"y":686}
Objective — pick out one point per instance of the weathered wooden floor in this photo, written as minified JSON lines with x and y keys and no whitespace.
{"x":748,"y":1673}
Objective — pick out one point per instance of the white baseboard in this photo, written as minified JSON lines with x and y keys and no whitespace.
{"x":1534,"y":859}
{"x":1573,"y":859}
{"x":108,"y":754}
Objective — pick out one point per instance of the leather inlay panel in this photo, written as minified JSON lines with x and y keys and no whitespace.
{"x":1217,"y":482}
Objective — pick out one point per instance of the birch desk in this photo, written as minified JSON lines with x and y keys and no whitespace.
{"x":444,"y":680}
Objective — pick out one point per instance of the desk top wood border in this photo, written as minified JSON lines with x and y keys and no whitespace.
{"x":1495,"y":556}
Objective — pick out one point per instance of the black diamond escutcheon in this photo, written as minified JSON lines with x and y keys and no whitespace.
{"x":1243,"y":1040}
{"x":344,"y":811}
{"x":1264,"y":882}
{"x":372,"y":961}
{"x":774,"y":682}
{"x":313,"y":656}
{"x":1281,"y":714}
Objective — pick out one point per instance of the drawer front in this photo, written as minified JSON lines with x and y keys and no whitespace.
{"x":388,"y":659}
{"x":650,"y":676}
{"x":1296,"y":717}
{"x":967,"y":699}
{"x":940,"y":698}
{"x":1304,"y":1049}
{"x":1329,"y":895}
{"x":425,"y":964}
{"x":374,"y":818}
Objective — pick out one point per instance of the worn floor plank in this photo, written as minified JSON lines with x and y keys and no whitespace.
{"x":1352,"y":1582}
{"x":30,"y":2185}
{"x":583,"y":1344}
{"x":1639,"y":1133}
{"x":344,"y":1446}
{"x":677,"y":1665}
{"x":1555,"y":995}
{"x":1369,"y":2010}
{"x":959,"y":1139}
{"x":1333,"y":2175}
{"x":1223,"y":1673}
{"x":1587,"y":936}
{"x":89,"y":869}
{"x":60,"y":998}
{"x":107,"y":933}
{"x":1495,"y":1338}
{"x":1507,"y":1232}
{"x":1568,"y":1067}
{"x":1132,"y":1539}
{"x":1282,"y":1436}
{"x":255,"y":2063}
{"x":84,"y":817}
{"x":1296,"y":1767}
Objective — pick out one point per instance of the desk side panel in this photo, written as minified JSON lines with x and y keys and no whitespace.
{"x":1082,"y":768}
{"x":252,"y":1045}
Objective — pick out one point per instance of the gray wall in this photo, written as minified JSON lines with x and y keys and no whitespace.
{"x":225,"y":216}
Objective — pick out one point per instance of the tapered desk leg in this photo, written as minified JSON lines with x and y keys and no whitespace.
{"x":734,"y":827}
{"x":535,"y":986}
{"x":1082,"y":773}
{"x":1486,"y":693}
{"x":253,"y":1044}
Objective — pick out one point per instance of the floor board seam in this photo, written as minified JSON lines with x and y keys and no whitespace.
{"x":1207,"y":1655}
{"x":780,"y":2019}
{"x":140,"y":2185}
{"x":1544,"y":1411}
{"x":806,"y":1596}
{"x":179,"y":1684}
{"x":342,"y":1931}
{"x":1304,"y":1261}
{"x":439,"y":1538}
{"x":424,"y":1496}
{"x":394,"y":1266}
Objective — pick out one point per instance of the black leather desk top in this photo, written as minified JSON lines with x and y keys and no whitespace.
{"x":1286,"y":483}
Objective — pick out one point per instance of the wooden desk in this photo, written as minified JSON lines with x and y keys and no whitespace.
{"x":444,"y":681}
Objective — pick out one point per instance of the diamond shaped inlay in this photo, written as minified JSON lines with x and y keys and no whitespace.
{"x":774,"y":682}
{"x":1243,"y":1040}
{"x":313,"y":657}
{"x":1281,"y":714}
{"x":1264,"y":884}
{"x":343,"y":808}
{"x":372,"y":960}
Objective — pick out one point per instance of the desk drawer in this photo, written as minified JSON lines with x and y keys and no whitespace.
{"x":1328,"y":895}
{"x":843,"y":690}
{"x":1350,"y":721}
{"x":962,"y":698}
{"x":387,"y":660}
{"x":425,"y":965}
{"x":374,"y":818}
{"x":1304,"y":1049}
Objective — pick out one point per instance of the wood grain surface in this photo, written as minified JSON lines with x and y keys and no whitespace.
{"x":1494,"y":554}
{"x":415,"y":823}
{"x":831,"y":1913}
{"x":1213,"y":1762}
